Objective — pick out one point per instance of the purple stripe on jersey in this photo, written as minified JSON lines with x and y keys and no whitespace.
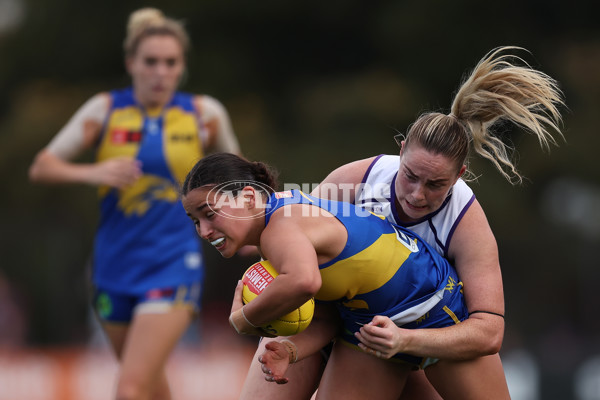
{"x":366,"y":175}
{"x":437,"y":239}
{"x":392,"y":199}
{"x":444,"y":204}
{"x":458,"y":219}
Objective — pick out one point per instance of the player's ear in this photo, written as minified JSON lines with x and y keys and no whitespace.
{"x":249,"y":195}
{"x":402,"y":146}
{"x":128,"y":64}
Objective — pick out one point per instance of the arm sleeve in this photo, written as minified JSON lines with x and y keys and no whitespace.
{"x":213,"y":113}
{"x":70,"y":141}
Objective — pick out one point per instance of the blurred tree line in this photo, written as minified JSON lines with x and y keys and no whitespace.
{"x":309,"y":86}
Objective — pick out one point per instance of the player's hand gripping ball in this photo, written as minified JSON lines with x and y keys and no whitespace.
{"x":255,"y":280}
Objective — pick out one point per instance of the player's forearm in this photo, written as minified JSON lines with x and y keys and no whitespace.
{"x":477,"y":336}
{"x":276,"y":300}
{"x":321,"y":331}
{"x":48,"y":168}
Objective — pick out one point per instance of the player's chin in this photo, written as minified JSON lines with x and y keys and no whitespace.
{"x":227,"y":251}
{"x":227,"y":254}
{"x":415,"y":212}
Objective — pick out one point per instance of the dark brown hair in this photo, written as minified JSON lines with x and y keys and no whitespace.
{"x":223,"y":168}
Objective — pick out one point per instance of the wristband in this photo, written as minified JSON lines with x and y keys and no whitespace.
{"x":239,"y":322}
{"x":291,"y":349}
{"x":246,"y":318}
{"x":232,"y":319}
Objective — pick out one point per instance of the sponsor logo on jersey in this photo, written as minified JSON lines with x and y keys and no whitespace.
{"x":123,"y":136}
{"x":284,"y":195}
{"x":182,"y":137}
{"x":155,"y":294}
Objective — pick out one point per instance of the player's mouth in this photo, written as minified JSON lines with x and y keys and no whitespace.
{"x":415,"y":208}
{"x":218,"y":243}
{"x":159,"y":89}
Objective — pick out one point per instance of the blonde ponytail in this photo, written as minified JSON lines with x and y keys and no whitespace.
{"x":496,"y":91}
{"x":151,"y":21}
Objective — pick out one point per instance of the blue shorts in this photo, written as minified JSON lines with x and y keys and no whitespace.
{"x":117,"y":307}
{"x":450,"y":310}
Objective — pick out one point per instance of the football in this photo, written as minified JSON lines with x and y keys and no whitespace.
{"x":255,"y":280}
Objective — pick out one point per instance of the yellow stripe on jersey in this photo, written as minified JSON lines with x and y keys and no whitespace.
{"x":129,"y":118}
{"x":381,"y":217}
{"x":451,"y":314}
{"x":358,"y":274}
{"x":182,"y":144}
{"x":306,"y":197}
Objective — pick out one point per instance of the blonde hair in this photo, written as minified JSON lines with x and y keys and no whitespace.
{"x":147,"y":22}
{"x":496,"y":91}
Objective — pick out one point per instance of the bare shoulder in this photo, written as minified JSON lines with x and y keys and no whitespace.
{"x":473,"y":234}
{"x":284,"y":225}
{"x":352,"y":172}
{"x":474,"y":217}
{"x":304,"y":226}
{"x":348,"y":174}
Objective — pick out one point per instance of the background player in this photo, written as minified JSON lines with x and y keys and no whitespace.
{"x":147,"y":266}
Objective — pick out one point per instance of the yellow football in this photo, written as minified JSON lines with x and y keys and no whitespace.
{"x":255,"y":280}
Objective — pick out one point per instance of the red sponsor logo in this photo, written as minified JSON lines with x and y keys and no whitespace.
{"x":134,"y":137}
{"x":119,"y":136}
{"x":122,"y":136}
{"x":155,"y":294}
{"x":286,"y":194}
{"x":257,"y":278}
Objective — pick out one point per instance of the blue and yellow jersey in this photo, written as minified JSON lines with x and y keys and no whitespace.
{"x":144,"y":238}
{"x":384,"y":269}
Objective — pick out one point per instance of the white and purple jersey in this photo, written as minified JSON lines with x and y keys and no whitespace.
{"x":378,"y":193}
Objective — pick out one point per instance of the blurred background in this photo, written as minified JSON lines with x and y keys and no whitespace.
{"x":309,"y":86}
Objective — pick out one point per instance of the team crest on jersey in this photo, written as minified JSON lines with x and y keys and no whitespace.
{"x":139,"y":197}
{"x":284,"y":195}
{"x":410,"y":244}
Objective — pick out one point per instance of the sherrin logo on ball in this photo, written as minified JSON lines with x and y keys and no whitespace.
{"x":255,"y":280}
